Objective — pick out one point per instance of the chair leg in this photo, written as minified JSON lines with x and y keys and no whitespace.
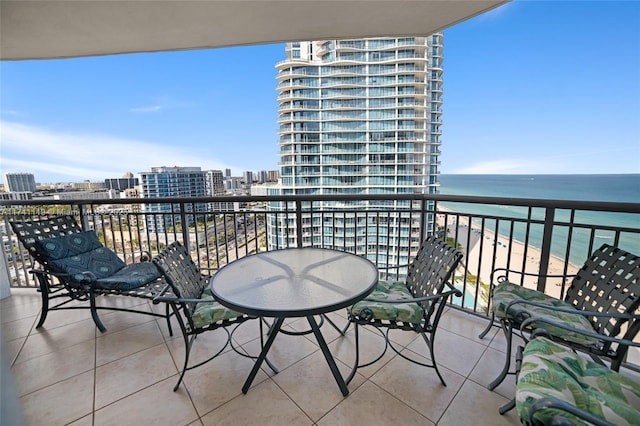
{"x":507,"y":407}
{"x":94,"y":312}
{"x":187,"y":347}
{"x":355,"y":365}
{"x":168,"y":316}
{"x":486,"y":330}
{"x":429,"y":343}
{"x":507,"y":328}
{"x":44,"y":293}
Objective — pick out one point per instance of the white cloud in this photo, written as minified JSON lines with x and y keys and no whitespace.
{"x":497,"y":167}
{"x":153,"y":108}
{"x":56,"y":156}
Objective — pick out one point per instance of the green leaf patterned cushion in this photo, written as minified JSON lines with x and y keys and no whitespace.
{"x":405,"y":312}
{"x":208,"y":313}
{"x":506,"y":292}
{"x":550,"y":370}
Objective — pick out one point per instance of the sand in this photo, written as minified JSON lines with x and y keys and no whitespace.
{"x":499,"y":253}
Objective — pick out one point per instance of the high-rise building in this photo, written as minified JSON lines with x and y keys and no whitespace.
{"x":214,"y":182}
{"x":19,"y":182}
{"x":360,"y":117}
{"x":160,"y":182}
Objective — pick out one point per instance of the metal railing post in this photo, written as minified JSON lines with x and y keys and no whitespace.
{"x":299,"y":222}
{"x":545,"y":255}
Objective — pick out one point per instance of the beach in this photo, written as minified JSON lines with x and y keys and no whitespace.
{"x":499,"y":252}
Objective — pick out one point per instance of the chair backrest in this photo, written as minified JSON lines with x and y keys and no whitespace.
{"x":61,"y":246}
{"x":181,"y":273}
{"x":609,"y":281}
{"x":432,"y":267}
{"x":29,"y":232}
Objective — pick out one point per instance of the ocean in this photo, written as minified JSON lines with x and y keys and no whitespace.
{"x":610,"y":188}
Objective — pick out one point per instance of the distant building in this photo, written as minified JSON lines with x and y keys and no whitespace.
{"x":227,"y":173}
{"x":122,"y":183}
{"x":19,"y":182}
{"x":16,"y":196}
{"x":248,"y":178}
{"x":273,"y":175}
{"x":162,"y":182}
{"x":88,"y":186}
{"x":214,"y":181}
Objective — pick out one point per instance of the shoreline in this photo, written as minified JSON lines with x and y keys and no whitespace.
{"x":507,"y":255}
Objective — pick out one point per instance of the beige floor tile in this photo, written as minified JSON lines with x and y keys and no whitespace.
{"x":54,"y":367}
{"x":113,"y":346}
{"x":371,"y":346}
{"x":60,"y":403}
{"x":115,"y":321}
{"x":411,"y":383}
{"x":370,"y":405}
{"x":285,"y":351}
{"x":487,"y":370}
{"x":125,"y":376}
{"x":19,"y":328}
{"x":12,"y":312}
{"x":155,"y":405}
{"x":467,"y":325}
{"x":447,"y":351}
{"x":85,"y":421}
{"x":310,"y":384}
{"x":11,"y":348}
{"x":265,"y":404}
{"x":204,"y":346}
{"x":247,"y":331}
{"x":473,"y":400}
{"x":218,"y":381}
{"x":64,"y":317}
{"x":44,"y":341}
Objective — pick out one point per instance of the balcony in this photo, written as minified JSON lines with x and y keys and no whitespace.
{"x":126,"y":375}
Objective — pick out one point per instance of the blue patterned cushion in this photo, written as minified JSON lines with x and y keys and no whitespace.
{"x":130,"y":277}
{"x":82,"y":256}
{"x":68,"y":245}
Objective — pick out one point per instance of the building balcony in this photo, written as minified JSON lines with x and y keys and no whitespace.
{"x":126,"y":375}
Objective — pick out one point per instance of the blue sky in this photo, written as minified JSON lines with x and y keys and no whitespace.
{"x":531,"y":87}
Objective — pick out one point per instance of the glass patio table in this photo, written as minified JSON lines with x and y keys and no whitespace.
{"x":297,"y":282}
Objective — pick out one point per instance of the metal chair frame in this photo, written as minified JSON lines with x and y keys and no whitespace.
{"x":185,"y":285}
{"x":428,"y":282}
{"x":56,"y":286}
{"x":607,"y":284}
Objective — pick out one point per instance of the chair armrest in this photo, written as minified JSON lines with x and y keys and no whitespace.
{"x":586,"y":313}
{"x":547,"y":403}
{"x":601,"y":337}
{"x":505,"y":272}
{"x":163,"y":297}
{"x":406,"y":265}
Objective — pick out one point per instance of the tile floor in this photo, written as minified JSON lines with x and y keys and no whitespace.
{"x":67,"y":372}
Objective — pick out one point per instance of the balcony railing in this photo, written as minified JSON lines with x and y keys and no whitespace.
{"x":538,"y":236}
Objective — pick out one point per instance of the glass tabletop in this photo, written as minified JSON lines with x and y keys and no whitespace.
{"x":294,"y":282}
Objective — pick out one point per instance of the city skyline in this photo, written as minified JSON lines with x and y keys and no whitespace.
{"x":531,"y":87}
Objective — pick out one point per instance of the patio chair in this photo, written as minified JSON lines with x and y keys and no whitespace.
{"x":187,"y":292}
{"x":413,"y":305}
{"x":75,"y":266}
{"x":608,"y":284}
{"x":557,"y":386}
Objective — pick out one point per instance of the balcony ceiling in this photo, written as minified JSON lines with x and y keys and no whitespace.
{"x":72,"y":28}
